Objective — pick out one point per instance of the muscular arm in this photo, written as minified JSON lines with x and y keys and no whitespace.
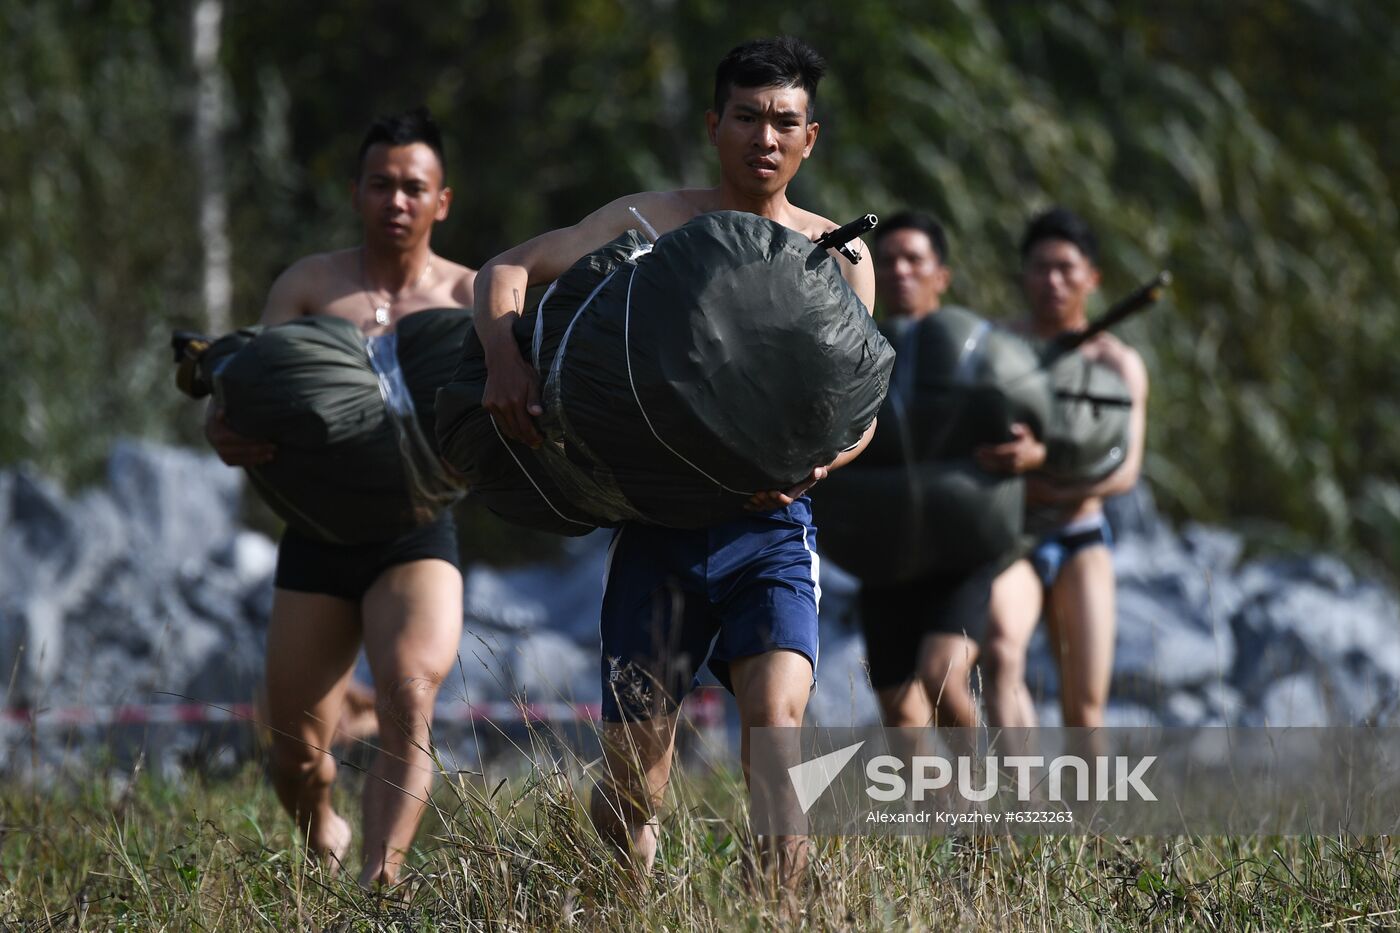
{"x":1130,"y":367}
{"x":512,"y":386}
{"x":860,"y":277}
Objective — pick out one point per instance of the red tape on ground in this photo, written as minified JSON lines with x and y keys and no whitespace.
{"x":704,"y":709}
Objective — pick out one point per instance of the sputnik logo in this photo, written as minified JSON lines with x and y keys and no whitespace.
{"x":811,"y":778}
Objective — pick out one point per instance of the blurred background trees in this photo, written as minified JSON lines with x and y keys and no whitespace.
{"x":1253,"y":148}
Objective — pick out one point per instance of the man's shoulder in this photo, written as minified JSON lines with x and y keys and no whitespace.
{"x":1110,"y":345}
{"x":1113,"y":351}
{"x":666,"y":210}
{"x":692,"y":200}
{"x":319,"y":267}
{"x":459,"y":279}
{"x":450,"y":268}
{"x":310,"y":285}
{"x":811,"y":222}
{"x":453,"y":271}
{"x":813,"y":225}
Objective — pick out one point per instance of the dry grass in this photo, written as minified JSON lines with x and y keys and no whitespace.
{"x":518,"y":852}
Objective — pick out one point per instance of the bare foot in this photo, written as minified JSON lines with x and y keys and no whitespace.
{"x":776,"y":868}
{"x":329,"y":839}
{"x":379,"y":873}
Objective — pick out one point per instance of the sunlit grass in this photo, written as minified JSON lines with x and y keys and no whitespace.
{"x":518,"y":852}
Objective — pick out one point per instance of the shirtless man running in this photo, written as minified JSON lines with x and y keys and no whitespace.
{"x":764,"y":626}
{"x":401,"y":598}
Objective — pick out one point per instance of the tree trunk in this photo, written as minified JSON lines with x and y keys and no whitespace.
{"x":209,"y":119}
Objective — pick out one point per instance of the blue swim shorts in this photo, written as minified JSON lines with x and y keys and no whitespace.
{"x":1055,"y":549}
{"x":678,"y":599}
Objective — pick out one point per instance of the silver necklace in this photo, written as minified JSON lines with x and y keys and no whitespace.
{"x":381,"y":311}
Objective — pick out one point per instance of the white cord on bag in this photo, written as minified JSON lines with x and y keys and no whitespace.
{"x":506,"y":445}
{"x":627,"y":349}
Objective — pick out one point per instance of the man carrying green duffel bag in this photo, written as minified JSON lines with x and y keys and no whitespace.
{"x":350,"y":415}
{"x":341,"y":321}
{"x":923,"y":526}
{"x":740,"y":596}
{"x":1069,"y":573}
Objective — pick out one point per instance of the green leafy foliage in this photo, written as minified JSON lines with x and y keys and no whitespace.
{"x":96,"y":219}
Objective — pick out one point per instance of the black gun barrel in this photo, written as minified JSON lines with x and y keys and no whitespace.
{"x":842,"y":235}
{"x":1144,"y":297}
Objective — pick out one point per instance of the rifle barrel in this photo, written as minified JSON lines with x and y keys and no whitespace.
{"x":848,"y":232}
{"x":1143,"y":297}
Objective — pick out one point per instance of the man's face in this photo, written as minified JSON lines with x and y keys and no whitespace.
{"x":762,"y":137}
{"x":1058,"y":279}
{"x":399,"y":195}
{"x":909,"y":279}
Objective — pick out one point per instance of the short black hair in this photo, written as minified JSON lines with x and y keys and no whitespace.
{"x":780,"y":61}
{"x":916,"y":220}
{"x":1059,"y":223}
{"x":402,"y":129}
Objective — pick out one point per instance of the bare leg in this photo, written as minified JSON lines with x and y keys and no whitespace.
{"x":906,"y":706}
{"x":1017,"y":599}
{"x":772,"y":690}
{"x":312,"y":640}
{"x":413,"y":629}
{"x":358,"y":719}
{"x":637,"y":759}
{"x":1083,"y":605}
{"x":945,"y":666}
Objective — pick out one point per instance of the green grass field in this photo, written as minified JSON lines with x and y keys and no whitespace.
{"x":145,"y":854}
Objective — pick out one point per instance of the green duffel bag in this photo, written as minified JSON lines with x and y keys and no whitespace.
{"x":351,"y":417}
{"x":507,"y":477}
{"x":730,"y":358}
{"x":963,"y":382}
{"x":1088,"y":432}
{"x":891,"y":525}
{"x":914,"y":503}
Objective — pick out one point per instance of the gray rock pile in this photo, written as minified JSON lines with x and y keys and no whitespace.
{"x":147,"y":591}
{"x":1206,"y":639}
{"x":1203,"y":638}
